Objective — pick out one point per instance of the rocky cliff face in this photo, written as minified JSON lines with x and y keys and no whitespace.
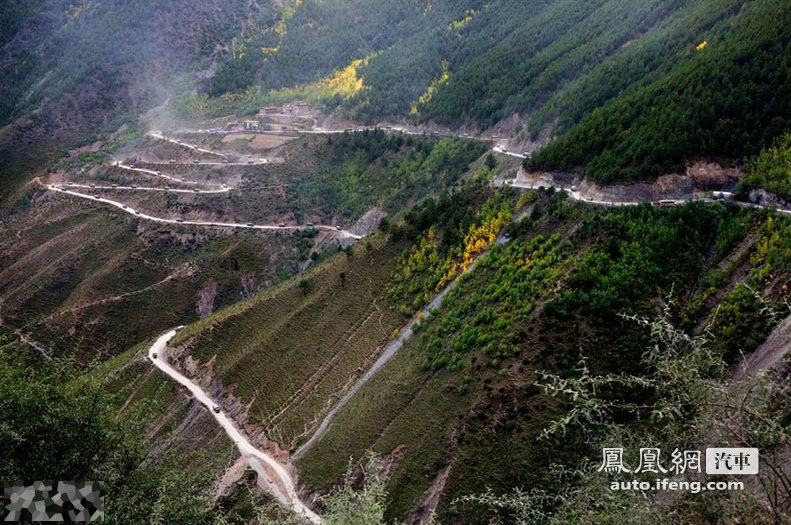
{"x":700,"y":176}
{"x":767,"y":198}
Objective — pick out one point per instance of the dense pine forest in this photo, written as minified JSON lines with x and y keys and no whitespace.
{"x":633,"y":90}
{"x":729,"y":101}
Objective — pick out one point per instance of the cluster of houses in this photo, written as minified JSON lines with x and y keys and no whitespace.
{"x":290,"y":108}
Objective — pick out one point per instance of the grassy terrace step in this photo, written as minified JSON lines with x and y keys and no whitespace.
{"x":417,"y":416}
{"x":293,"y":349}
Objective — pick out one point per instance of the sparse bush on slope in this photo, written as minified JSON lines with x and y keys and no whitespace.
{"x":694,"y":403}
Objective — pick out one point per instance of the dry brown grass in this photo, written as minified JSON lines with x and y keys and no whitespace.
{"x":292,"y":353}
{"x":257,"y":140}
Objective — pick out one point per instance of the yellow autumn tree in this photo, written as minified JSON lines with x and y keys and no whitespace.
{"x":477,"y":241}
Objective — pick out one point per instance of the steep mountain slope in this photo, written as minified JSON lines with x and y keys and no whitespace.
{"x":72,"y":69}
{"x":458,"y":406}
{"x":462,"y":396}
{"x":307,"y":40}
{"x":85,"y":278}
{"x":612,"y":78}
{"x":730,"y":100}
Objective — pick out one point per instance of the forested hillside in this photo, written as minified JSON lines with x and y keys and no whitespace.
{"x":73,"y":69}
{"x":304,"y":41}
{"x":469,"y":62}
{"x":730,"y":100}
{"x":612,"y":78}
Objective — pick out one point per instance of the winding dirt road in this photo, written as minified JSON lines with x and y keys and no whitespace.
{"x":248,"y":160}
{"x":276,"y":475}
{"x":499,"y":149}
{"x":404,"y":336}
{"x":248,"y":226}
{"x":218,"y":188}
{"x":155,"y":173}
{"x":161,"y":136}
{"x":726,"y":197}
{"x":222,"y":189}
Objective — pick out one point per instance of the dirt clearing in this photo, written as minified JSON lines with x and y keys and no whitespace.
{"x":259,"y":141}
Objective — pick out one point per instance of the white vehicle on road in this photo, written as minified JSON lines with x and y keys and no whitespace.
{"x":276,"y":475}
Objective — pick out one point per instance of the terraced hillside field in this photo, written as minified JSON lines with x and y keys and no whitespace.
{"x":457,"y":407}
{"x":85,"y":275}
{"x":292,"y":366}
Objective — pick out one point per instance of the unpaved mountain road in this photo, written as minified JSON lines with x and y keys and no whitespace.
{"x":248,"y":226}
{"x":161,"y":136}
{"x":577,"y":196}
{"x":404,"y":336}
{"x":770,"y":354}
{"x":196,"y":189}
{"x":128,"y":167}
{"x":276,"y":475}
{"x":499,"y":149}
{"x":248,"y":160}
{"x":141,"y":188}
{"x":255,"y":162}
{"x":407,"y":333}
